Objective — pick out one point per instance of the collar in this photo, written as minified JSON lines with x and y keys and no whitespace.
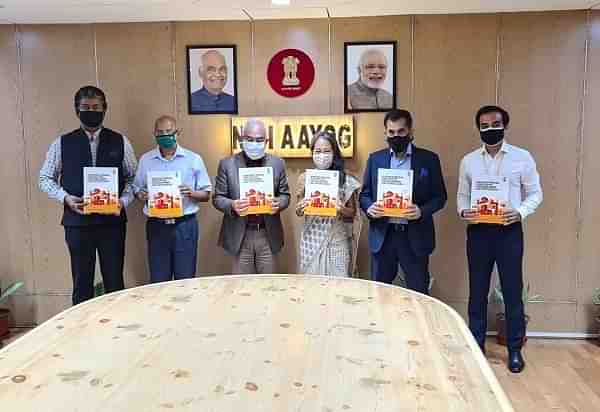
{"x":93,"y":136}
{"x":505,"y":148}
{"x":409,"y":151}
{"x":179,"y":152}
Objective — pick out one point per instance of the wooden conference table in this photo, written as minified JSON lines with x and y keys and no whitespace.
{"x":252,"y":343}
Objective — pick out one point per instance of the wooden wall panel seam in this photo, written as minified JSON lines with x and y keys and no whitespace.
{"x":174,"y":49}
{"x":498,"y":57}
{"x":330,"y":61}
{"x":411,"y":93}
{"x":580,"y":176}
{"x":27,"y":167}
{"x":95,"y":39}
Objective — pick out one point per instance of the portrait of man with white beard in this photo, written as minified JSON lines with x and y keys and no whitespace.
{"x":370,"y":77}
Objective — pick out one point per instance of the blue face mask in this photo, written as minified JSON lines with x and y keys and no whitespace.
{"x":254,"y":150}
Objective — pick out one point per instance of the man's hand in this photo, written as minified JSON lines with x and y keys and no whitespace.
{"x":185,"y":191}
{"x":275,"y":206}
{"x":511,"y":216}
{"x":414,"y":213}
{"x":142,"y":195}
{"x":469,"y":215}
{"x":240,"y":207}
{"x":375,"y":211}
{"x":75,"y":203}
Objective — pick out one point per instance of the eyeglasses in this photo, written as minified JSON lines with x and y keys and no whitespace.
{"x":253,"y":139}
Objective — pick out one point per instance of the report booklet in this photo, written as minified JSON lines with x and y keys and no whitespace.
{"x":101,"y":190}
{"x":256,"y":186}
{"x":394,"y":191}
{"x":489,"y":196}
{"x":164,"y":196}
{"x":321,"y":188}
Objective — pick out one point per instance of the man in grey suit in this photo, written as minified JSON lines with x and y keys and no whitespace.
{"x":252,"y":239}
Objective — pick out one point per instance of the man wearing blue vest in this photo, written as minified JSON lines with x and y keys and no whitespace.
{"x":61,"y":177}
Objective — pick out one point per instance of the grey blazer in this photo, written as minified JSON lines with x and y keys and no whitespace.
{"x":227,"y":189}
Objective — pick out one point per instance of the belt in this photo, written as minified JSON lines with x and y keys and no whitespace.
{"x":172,"y":221}
{"x":255,"y":226}
{"x":399,"y":227}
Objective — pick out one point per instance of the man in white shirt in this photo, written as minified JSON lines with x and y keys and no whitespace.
{"x":500,"y":244}
{"x":173,"y":243}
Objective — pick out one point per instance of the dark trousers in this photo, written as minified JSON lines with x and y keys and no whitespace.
{"x":501,"y":245}
{"x":172,"y":248}
{"x":83,"y":243}
{"x":396,"y":250}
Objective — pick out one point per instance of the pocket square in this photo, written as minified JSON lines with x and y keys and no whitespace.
{"x":424,"y":172}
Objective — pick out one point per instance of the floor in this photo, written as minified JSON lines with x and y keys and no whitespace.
{"x":561,"y":375}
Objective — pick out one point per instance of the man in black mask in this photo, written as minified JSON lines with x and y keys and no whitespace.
{"x":61,"y":177}
{"x":407,"y":242}
{"x":500,"y":244}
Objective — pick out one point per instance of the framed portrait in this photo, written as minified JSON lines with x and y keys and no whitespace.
{"x":369,"y":76}
{"x":212,"y":79}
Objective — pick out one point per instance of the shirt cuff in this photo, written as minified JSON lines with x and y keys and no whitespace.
{"x":522,"y":211}
{"x":60,"y":196}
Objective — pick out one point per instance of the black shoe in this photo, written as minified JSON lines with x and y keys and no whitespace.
{"x":516,"y":364}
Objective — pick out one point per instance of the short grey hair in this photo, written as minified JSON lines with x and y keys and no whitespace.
{"x":201,"y":67}
{"x":255,"y":124}
{"x":370,"y":52}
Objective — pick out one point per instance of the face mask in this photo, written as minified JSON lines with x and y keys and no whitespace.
{"x":254,"y":150}
{"x":91,"y":118}
{"x":492,"y":136}
{"x":166,"y":141}
{"x":399,"y":144}
{"x":323,"y":161}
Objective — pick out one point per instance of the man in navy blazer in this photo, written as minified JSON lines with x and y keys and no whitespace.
{"x":407,"y":242}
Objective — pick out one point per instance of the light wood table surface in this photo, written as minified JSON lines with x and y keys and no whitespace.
{"x":252,"y":343}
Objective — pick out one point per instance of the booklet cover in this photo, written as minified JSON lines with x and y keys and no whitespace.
{"x":164,"y":196}
{"x":101,"y":190}
{"x":321,"y":188}
{"x":394,"y":191}
{"x":256,"y":186}
{"x":489,"y":196}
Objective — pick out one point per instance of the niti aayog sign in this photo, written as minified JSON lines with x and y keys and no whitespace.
{"x":290,"y":136}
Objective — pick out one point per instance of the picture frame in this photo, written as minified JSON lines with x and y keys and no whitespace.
{"x":370,"y":76}
{"x":212,"y":79}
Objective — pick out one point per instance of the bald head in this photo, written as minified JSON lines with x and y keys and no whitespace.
{"x":213,"y":71}
{"x":165,"y":125}
{"x":255,"y":128}
{"x":372,"y":68}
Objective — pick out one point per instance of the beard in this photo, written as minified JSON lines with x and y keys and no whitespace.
{"x":374,"y":81}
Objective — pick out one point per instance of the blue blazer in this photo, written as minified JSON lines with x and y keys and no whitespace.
{"x":429,"y":193}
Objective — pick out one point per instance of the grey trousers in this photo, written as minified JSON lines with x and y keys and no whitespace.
{"x":255,"y":255}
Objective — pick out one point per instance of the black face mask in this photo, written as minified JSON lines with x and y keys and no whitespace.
{"x":399,"y":144}
{"x":91,"y":119}
{"x":492,"y":137}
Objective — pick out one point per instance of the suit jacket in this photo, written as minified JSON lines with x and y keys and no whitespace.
{"x":429,"y":193}
{"x":227,"y":189}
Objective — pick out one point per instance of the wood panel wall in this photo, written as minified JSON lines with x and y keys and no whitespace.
{"x":532,"y":63}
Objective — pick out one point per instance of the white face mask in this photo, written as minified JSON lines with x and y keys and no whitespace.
{"x":323,"y":161}
{"x":254,"y":150}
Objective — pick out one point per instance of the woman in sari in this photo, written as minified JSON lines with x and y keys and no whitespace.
{"x":328,"y":245}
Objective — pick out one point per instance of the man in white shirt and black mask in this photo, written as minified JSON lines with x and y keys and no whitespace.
{"x":500,"y":244}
